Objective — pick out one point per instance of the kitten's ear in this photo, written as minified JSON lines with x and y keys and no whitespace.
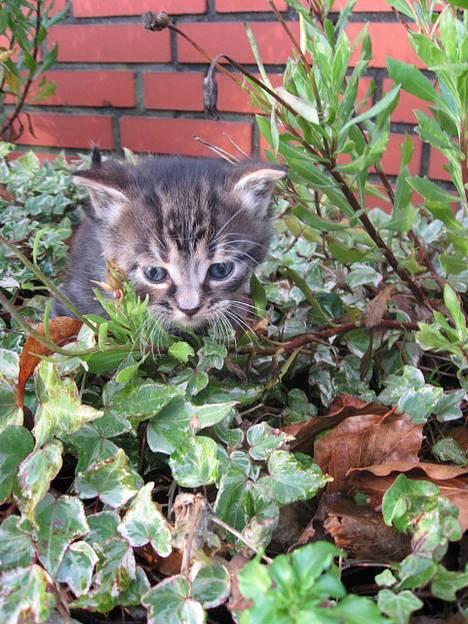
{"x":107,"y":198}
{"x":255,"y":188}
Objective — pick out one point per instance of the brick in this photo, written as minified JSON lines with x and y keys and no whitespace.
{"x":233,"y":99}
{"x":388,"y":40}
{"x":392,"y":156}
{"x":238,"y":6}
{"x":364,"y":6}
{"x":230,"y":38}
{"x":175,"y":136}
{"x":403,"y":112}
{"x":437,"y":161}
{"x":65,"y":130}
{"x":91,"y":88}
{"x":105,"y":8}
{"x":275,"y":47}
{"x":177,"y":91}
{"x":110,"y":43}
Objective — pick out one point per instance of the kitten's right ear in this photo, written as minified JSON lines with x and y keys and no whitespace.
{"x":107,"y":199}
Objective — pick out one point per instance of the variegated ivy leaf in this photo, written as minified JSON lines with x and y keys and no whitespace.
{"x":211,"y":584}
{"x":263,"y":439}
{"x":195,"y":462}
{"x":170,"y":602}
{"x":15,"y":444}
{"x":112,"y":480}
{"x":292,"y":480}
{"x":59,"y":522}
{"x":144,"y":523}
{"x":102,"y":526}
{"x":24,"y":595}
{"x":77,"y":567}
{"x":60,"y":411}
{"x":36,"y":473}
{"x":16,"y":546}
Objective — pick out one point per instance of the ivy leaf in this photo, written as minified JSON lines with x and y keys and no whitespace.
{"x":195,"y":462}
{"x":91,"y":447}
{"x":446,"y":583}
{"x":60,"y":411}
{"x":420,"y":403}
{"x":76,"y":568}
{"x":140,"y":401}
{"x":168,"y":429}
{"x":144,"y":523}
{"x":24,"y":596}
{"x":112,"y":480}
{"x":291,"y":480}
{"x":102,"y":526}
{"x":362,"y":274}
{"x":35,"y":474}
{"x":209,"y":415}
{"x":400,"y":606}
{"x":15,"y":444}
{"x":170,"y":602}
{"x":181,"y":351}
{"x":59,"y":522}
{"x":211,"y":585}
{"x":118,"y":581}
{"x":263,"y":439}
{"x":233,"y":502}
{"x":16,"y":547}
{"x":449,"y":406}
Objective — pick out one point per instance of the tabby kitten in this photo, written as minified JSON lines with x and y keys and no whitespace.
{"x":186,"y":231}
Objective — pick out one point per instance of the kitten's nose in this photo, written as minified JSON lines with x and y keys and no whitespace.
{"x":190,"y":311}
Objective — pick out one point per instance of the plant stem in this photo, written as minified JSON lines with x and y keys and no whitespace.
{"x":239,"y":536}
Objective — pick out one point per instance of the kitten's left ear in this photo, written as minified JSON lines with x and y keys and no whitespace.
{"x":255,"y":188}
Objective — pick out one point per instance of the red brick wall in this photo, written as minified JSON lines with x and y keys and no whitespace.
{"x":121,"y":86}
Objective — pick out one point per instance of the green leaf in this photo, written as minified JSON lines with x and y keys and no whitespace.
{"x":59,"y":522}
{"x":181,"y":351}
{"x":211,"y":585}
{"x":60,"y":411}
{"x":420,"y":403}
{"x":412,"y":80}
{"x":195,"y":462}
{"x":233,"y":503}
{"x":385,"y":105}
{"x":143,"y":523}
{"x":263,"y":439}
{"x":169,"y":602}
{"x":430,"y":131}
{"x":35,"y":474}
{"x":210,"y":414}
{"x":9,"y":365}
{"x":24,"y":595}
{"x":15,"y":444}
{"x":254,"y":580}
{"x":111,"y":479}
{"x":446,"y":583}
{"x":168,"y":429}
{"x":449,"y":406}
{"x":292,"y":481}
{"x":357,"y":609}
{"x":140,"y":401}
{"x":102,"y":526}
{"x":405,"y":498}
{"x":400,"y":606}
{"x":362,"y":274}
{"x":76,"y":568}
{"x":16,"y":547}
{"x":448,"y":450}
{"x":453,"y":306}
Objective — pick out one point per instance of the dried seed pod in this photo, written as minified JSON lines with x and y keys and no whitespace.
{"x":156,"y":21}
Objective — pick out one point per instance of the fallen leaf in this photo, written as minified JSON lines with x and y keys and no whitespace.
{"x":62,"y":330}
{"x":344,"y":406}
{"x":374,"y":481}
{"x":237,"y":603}
{"x":365,"y":440}
{"x":377,"y":307}
{"x":362,"y":532}
{"x":460,"y":435}
{"x":5,"y":194}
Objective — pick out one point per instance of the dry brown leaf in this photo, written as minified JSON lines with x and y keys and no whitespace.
{"x":344,"y":406}
{"x":364,"y":440}
{"x":362,"y":532}
{"x":377,"y":307}
{"x":452,"y":481}
{"x":237,"y":603}
{"x":460,"y":435}
{"x":62,"y":330}
{"x":5,"y":194}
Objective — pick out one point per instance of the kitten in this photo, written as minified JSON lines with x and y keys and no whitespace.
{"x":187,"y":232}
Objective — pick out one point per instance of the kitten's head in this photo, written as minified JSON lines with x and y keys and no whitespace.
{"x":187,"y":232}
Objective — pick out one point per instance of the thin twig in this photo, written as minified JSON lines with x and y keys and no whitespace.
{"x":236,"y":533}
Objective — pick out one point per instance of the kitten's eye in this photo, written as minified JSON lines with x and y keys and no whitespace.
{"x":221,"y":270}
{"x":155,"y":274}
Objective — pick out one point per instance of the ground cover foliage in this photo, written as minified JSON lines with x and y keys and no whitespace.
{"x":311,"y":468}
